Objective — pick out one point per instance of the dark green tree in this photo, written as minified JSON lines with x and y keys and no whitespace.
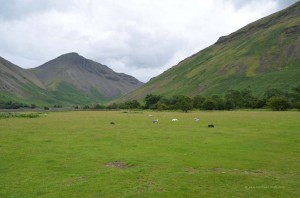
{"x":208,"y":104}
{"x":164,"y":104}
{"x":234,"y":96}
{"x":151,"y":100}
{"x":273,"y":92}
{"x":295,"y":97}
{"x":218,"y":101}
{"x":278,"y":103}
{"x":248,"y":100}
{"x":112,"y":106}
{"x":160,"y":105}
{"x":185,"y":104}
{"x":99,"y":106}
{"x":198,"y":101}
{"x":132,"y":104}
{"x":229,"y":105}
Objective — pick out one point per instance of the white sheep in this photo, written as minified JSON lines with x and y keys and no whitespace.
{"x":174,"y":120}
{"x":155,"y":121}
{"x":197,"y":119}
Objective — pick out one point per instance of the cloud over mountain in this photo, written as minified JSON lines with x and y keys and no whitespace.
{"x":139,"y":37}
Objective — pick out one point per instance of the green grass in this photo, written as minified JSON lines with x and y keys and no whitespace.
{"x":80,"y":154}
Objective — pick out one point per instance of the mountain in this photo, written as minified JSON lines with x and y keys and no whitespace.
{"x":264,"y":54}
{"x":18,"y":84}
{"x":71,"y":77}
{"x":68,"y":79}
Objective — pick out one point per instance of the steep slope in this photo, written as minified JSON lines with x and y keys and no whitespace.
{"x":18,"y":84}
{"x":264,"y":54}
{"x":75,"y":79}
{"x":68,"y":79}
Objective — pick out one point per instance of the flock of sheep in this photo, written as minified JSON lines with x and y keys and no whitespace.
{"x":175,"y":120}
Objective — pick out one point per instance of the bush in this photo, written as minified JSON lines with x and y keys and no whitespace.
{"x":219,"y":102}
{"x":86,"y":107}
{"x":198,"y":101}
{"x":99,"y":106}
{"x":113,"y":106}
{"x":229,"y":105}
{"x":295,"y":97}
{"x":151,"y":100}
{"x":278,"y":103}
{"x":186,"y":104}
{"x":234,"y":96}
{"x":208,"y":104}
{"x":132,"y":104}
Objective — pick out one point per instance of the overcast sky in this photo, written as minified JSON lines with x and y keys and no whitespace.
{"x":142,"y":38}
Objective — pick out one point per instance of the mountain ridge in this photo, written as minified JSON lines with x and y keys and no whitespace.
{"x":72,"y":67}
{"x":263,"y":54}
{"x":67,"y":79}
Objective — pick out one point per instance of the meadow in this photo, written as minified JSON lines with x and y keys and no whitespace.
{"x":81,"y":154}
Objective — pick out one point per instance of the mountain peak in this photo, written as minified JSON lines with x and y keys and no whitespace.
{"x":72,"y":59}
{"x":72,"y":72}
{"x":70,"y":54}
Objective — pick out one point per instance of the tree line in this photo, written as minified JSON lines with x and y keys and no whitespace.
{"x":15,"y":105}
{"x":274,"y":99}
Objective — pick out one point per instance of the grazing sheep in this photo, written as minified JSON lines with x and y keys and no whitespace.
{"x":150,"y":115}
{"x":112,"y":123}
{"x":174,"y":120}
{"x":211,"y":126}
{"x":155,"y":121}
{"x":196,"y":119}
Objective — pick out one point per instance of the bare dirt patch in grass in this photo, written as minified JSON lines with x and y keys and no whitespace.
{"x":117,"y":164}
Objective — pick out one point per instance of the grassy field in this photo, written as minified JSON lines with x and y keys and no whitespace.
{"x":80,"y":154}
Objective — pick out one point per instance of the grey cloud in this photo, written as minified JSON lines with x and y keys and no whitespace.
{"x":139,"y":47}
{"x":241,"y":3}
{"x":138,"y":37}
{"x":280,"y":3}
{"x":16,"y":9}
{"x":285,"y":3}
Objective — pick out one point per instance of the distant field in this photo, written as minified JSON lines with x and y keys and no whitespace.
{"x":80,"y":154}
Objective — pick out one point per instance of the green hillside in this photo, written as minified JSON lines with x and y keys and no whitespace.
{"x":70,"y":79}
{"x":262,"y":55}
{"x":77,"y":80}
{"x":20,"y":85}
